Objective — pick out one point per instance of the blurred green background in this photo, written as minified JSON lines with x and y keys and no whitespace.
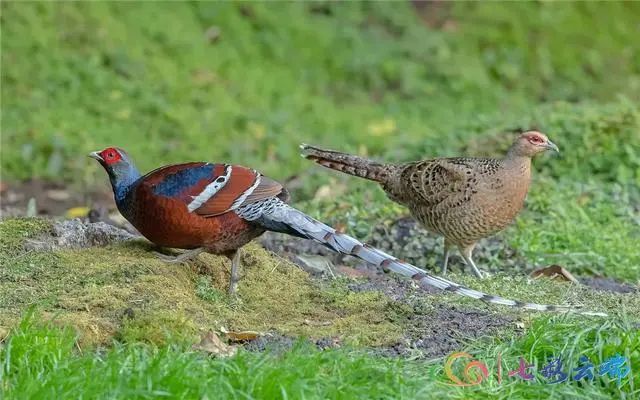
{"x":247,"y":82}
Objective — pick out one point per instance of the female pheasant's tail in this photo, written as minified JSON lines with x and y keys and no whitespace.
{"x":273,"y":213}
{"x":347,"y":163}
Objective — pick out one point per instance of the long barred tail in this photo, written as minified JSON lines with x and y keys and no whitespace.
{"x":347,"y":163}
{"x":275,"y":215}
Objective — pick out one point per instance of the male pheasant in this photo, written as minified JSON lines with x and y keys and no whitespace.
{"x":463,"y":199}
{"x":218,"y":208}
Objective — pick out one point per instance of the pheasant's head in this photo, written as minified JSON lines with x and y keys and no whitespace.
{"x":122,"y":172}
{"x":530,"y":143}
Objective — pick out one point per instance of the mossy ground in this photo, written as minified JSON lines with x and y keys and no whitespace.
{"x":124,"y":292}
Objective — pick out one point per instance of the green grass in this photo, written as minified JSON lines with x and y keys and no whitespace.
{"x":587,"y":227}
{"x":41,"y":362}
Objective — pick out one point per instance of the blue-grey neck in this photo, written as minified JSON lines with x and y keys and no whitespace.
{"x":123,"y":177}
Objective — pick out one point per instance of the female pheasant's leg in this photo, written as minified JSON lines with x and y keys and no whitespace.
{"x":466,"y":255}
{"x":187,"y":255}
{"x":234,"y":256}
{"x":447,"y":251}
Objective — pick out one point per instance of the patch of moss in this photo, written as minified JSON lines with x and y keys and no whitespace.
{"x":14,"y":231}
{"x":372,"y":306}
{"x":159,"y":327}
{"x":91,"y":328}
{"x":20,"y":269}
{"x":124,"y":292}
{"x":279,"y":296}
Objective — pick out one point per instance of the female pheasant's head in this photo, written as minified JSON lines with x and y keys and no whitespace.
{"x":122,"y":172}
{"x":530,"y":143}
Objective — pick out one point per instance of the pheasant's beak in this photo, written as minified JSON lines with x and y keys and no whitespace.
{"x":552,"y":146}
{"x":95,"y":155}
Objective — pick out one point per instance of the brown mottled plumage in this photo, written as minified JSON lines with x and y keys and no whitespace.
{"x":463,"y":199}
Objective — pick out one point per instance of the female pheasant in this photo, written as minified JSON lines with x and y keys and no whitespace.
{"x":463,"y":199}
{"x":218,"y":208}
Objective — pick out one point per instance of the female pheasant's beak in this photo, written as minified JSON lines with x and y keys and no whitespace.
{"x":95,"y":155}
{"x":552,"y":146}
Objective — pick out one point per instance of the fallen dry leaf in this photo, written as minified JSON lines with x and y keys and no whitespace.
{"x":212,"y":344}
{"x":244,"y":336}
{"x":340,"y":227}
{"x":554,"y":272}
{"x":77,"y":212}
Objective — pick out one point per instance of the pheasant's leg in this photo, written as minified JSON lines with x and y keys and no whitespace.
{"x":447,"y":251}
{"x":235,"y":271}
{"x":187,"y":255}
{"x":466,"y":255}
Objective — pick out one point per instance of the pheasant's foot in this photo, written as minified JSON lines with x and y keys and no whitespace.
{"x":485,"y":273}
{"x":187,"y":255}
{"x":475,"y":269}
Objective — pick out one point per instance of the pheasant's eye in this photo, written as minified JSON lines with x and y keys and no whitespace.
{"x":111,"y":156}
{"x":535,"y":139}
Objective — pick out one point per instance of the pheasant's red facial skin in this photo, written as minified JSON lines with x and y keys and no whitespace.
{"x":531,"y":143}
{"x":536,"y":138}
{"x":110,"y":155}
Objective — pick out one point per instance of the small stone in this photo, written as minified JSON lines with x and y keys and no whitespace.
{"x":78,"y":234}
{"x":317,"y":265}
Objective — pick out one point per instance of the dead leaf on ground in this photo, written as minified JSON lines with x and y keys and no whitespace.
{"x":340,"y":227}
{"x":555,"y":272}
{"x":77,"y":212}
{"x":243,"y":336}
{"x":212,"y":344}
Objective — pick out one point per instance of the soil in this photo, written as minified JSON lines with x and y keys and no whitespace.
{"x":52,"y":199}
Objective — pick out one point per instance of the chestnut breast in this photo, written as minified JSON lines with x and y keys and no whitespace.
{"x":167,"y":222}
